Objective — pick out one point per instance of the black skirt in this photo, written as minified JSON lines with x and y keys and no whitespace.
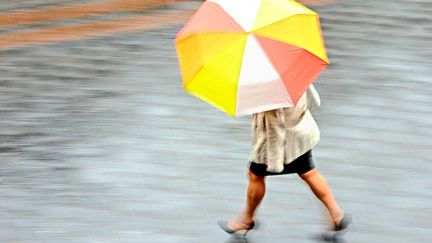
{"x":301,"y":165}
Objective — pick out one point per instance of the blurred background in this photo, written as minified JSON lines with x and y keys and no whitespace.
{"x":99,"y":143}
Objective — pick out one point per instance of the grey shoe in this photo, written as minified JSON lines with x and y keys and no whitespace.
{"x":343,"y":224}
{"x":224,"y":226}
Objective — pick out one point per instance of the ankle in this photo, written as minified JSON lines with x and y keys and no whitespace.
{"x":337,"y":215}
{"x":245,"y":218}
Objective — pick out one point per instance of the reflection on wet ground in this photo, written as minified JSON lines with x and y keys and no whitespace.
{"x":98,"y":142}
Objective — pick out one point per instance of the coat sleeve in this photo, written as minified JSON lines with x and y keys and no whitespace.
{"x":313,"y":99}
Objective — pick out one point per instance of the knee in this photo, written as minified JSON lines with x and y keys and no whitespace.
{"x":255,"y":178}
{"x":309,"y":175}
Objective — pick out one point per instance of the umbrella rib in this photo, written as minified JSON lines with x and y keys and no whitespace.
{"x":285,"y":42}
{"x":281,"y":20}
{"x":205,"y":32}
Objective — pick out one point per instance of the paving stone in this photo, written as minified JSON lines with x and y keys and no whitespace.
{"x":98,"y":142}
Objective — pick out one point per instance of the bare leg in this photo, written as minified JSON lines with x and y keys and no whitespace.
{"x":321,"y":189}
{"x":254,"y":196}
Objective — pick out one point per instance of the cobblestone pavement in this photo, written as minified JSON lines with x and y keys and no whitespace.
{"x":98,"y":143}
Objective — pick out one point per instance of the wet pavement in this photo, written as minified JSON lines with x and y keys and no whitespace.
{"x":98,"y":142}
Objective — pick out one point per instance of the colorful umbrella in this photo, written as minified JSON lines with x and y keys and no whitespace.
{"x":248,"y":56}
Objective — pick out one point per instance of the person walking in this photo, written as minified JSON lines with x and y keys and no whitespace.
{"x":282,"y":144}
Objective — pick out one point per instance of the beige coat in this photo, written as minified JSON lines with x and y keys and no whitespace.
{"x":282,"y":135}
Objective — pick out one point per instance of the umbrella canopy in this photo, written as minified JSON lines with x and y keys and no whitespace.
{"x":248,"y":56}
